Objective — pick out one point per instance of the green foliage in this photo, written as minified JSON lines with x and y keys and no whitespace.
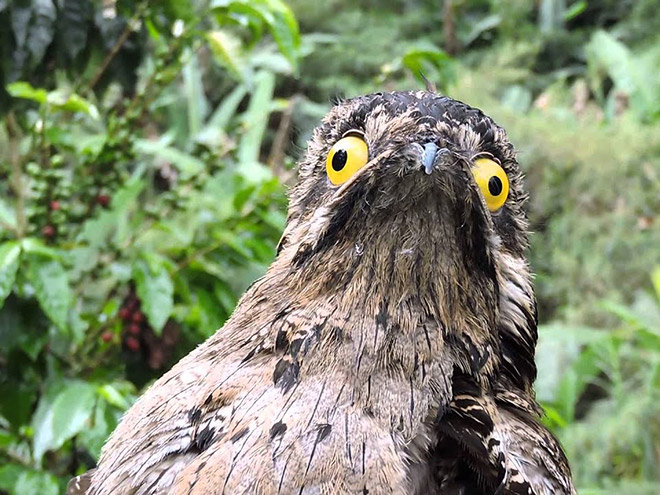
{"x":136,"y":210}
{"x":601,"y":389}
{"x":142,"y":150}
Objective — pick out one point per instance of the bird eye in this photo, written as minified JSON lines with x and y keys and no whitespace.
{"x":493,"y":182}
{"x":346,"y":157}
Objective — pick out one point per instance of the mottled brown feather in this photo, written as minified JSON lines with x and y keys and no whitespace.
{"x":389,"y":349}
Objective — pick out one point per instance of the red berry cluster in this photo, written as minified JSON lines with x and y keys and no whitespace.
{"x":134,"y":322}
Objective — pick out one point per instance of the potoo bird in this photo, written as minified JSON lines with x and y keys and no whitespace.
{"x":389,"y":348}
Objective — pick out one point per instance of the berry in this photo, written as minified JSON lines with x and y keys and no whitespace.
{"x":48,"y":231}
{"x":124,"y":313}
{"x":132,"y":303}
{"x":54,"y":205}
{"x":132,"y":344}
{"x":134,"y":329}
{"x":107,"y":336}
{"x":138,"y":317}
{"x":103,"y":200}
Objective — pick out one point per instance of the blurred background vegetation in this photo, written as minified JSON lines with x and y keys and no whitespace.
{"x":145,"y":148}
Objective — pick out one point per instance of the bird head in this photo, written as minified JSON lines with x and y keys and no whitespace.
{"x":414,"y":200}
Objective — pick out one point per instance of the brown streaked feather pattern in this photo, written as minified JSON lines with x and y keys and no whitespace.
{"x":389,"y":349}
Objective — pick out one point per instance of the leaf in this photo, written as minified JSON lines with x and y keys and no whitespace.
{"x":178,"y":9}
{"x":255,"y":118}
{"x":227,"y":51}
{"x":103,"y":421}
{"x":206,"y":314}
{"x":51,"y":287}
{"x":283,"y":26}
{"x":557,"y":352}
{"x":33,"y":245}
{"x":9,"y":474}
{"x":217,"y":126}
{"x":278,"y":18}
{"x":74,"y":18}
{"x":432,"y":63}
{"x":36,"y":483}
{"x":607,"y":53}
{"x":113,"y":396}
{"x":155,"y":290}
{"x":193,"y":88}
{"x":20,"y":18}
{"x":71,"y":102}
{"x":486,"y":24}
{"x":20,"y":329}
{"x":63,"y":411}
{"x":655,"y":279}
{"x":98,"y":231}
{"x":7,"y":215}
{"x":22,"y":89}
{"x":9,"y":256}
{"x":188,"y":165}
{"x":575,"y":10}
{"x":41,"y":29}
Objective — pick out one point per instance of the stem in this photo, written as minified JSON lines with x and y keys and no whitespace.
{"x":449,"y":28}
{"x":276,"y":156}
{"x":197,"y":254}
{"x":45,"y":163}
{"x":130,"y":27}
{"x":16,"y":178}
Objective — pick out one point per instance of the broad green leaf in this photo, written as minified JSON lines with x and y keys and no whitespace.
{"x":575,"y":10}
{"x":113,"y":396}
{"x":63,"y":411}
{"x":278,"y":18}
{"x":227,"y":51}
{"x":74,"y":16}
{"x":155,"y":289}
{"x":70,"y":102}
{"x":24,"y":90}
{"x":227,"y":109}
{"x":607,"y":53}
{"x":551,"y":15}
{"x":103,"y":422}
{"x":32,"y":482}
{"x":430,"y":62}
{"x":51,"y":287}
{"x":254,"y":172}
{"x":41,"y":28}
{"x":196,"y":103}
{"x":188,"y":165}
{"x":7,"y":215}
{"x":32,"y":245}
{"x":255,"y":119}
{"x":9,"y":256}
{"x":6,"y":439}
{"x":179,"y":9}
{"x":557,"y":352}
{"x":206,"y":314}
{"x":655,"y":279}
{"x":486,"y":24}
{"x":9,"y":474}
{"x":283,"y":26}
{"x":19,"y":329}
{"x":214,"y":134}
{"x":98,"y":231}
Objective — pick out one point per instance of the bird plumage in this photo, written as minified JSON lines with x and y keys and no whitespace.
{"x":389,"y":349}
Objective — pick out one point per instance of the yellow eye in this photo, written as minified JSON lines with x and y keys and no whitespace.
{"x":493,"y":182}
{"x":346,"y":157}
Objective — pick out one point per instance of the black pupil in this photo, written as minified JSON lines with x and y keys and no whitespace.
{"x":339,"y":160}
{"x":494,"y":184}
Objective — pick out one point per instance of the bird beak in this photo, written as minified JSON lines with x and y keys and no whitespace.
{"x":429,"y":153}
